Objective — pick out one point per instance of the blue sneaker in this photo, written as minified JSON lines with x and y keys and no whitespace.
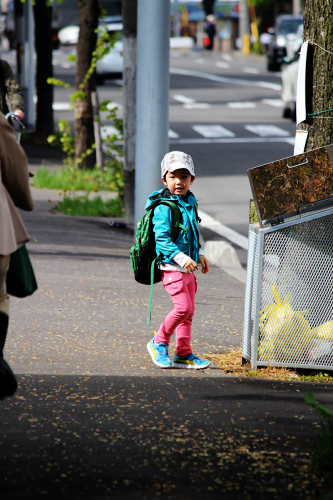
{"x":190,"y":361}
{"x":159,"y":354}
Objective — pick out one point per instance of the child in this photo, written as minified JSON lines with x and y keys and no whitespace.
{"x":179,"y":262}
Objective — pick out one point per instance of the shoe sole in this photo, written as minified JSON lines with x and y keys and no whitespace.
{"x":189,"y":367}
{"x":153,"y":358}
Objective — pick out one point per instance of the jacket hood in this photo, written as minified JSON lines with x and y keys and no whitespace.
{"x":165,"y":194}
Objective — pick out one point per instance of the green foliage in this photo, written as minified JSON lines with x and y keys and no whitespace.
{"x":72,"y":178}
{"x":63,"y":139}
{"x":58,"y":83}
{"x":78,"y":95}
{"x":113,"y":171}
{"x":71,"y":58}
{"x":322,"y":410}
{"x":259,"y":3}
{"x":95,"y":207}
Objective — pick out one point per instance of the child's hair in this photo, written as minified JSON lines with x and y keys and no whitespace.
{"x":164,"y":177}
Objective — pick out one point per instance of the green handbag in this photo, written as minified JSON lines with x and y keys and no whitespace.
{"x":21,"y":281}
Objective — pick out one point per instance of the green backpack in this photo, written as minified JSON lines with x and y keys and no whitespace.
{"x":144,"y":261}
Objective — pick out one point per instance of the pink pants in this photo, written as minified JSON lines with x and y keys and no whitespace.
{"x":182,"y":288}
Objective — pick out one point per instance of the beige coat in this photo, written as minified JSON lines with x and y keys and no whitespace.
{"x":14,"y":190}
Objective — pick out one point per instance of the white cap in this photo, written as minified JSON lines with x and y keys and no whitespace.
{"x":176,"y":160}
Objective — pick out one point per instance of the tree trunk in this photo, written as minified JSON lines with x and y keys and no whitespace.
{"x":88,"y":11}
{"x":129,"y":10}
{"x":318,"y":28}
{"x":44,"y":68}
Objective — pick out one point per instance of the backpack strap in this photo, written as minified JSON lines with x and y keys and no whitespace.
{"x":175,"y":218}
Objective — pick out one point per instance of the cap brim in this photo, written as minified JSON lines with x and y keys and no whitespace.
{"x":178,"y":166}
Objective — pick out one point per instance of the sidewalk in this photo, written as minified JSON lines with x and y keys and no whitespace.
{"x":94,"y":418}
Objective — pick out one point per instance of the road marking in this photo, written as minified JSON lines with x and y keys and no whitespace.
{"x":197,"y":105}
{"x":291,"y":140}
{"x":224,"y":79}
{"x":241,"y":105}
{"x":172,"y":134}
{"x":219,"y":228}
{"x":276,"y":103}
{"x":213,"y":131}
{"x":267,"y":130}
{"x":183,"y":99}
{"x":226,"y":57}
{"x":54,"y":62}
{"x":61,"y":106}
{"x":233,"y":140}
{"x":199,"y":61}
{"x":67,"y":65}
{"x":221,"y":64}
{"x":253,"y":71}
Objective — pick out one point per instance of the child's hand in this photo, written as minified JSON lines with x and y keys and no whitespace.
{"x":191,"y":266}
{"x":204,"y":264}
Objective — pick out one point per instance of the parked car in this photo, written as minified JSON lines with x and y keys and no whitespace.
{"x":289,"y":75}
{"x":284,"y":27}
{"x":112,"y":63}
{"x":70,"y":34}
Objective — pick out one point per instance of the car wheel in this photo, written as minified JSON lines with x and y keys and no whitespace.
{"x":273,"y":66}
{"x":286,"y":113}
{"x":293,"y":113}
{"x":99,"y":80}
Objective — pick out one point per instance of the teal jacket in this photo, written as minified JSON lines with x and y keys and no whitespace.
{"x":188,"y":243}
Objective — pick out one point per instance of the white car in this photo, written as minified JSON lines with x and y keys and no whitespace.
{"x":69,"y":35}
{"x":112,"y":63}
{"x":289,"y":75}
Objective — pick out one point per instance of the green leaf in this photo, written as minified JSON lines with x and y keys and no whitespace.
{"x":321,"y":409}
{"x":77,"y":95}
{"x":71,"y":57}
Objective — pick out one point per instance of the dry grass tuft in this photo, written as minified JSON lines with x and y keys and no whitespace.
{"x":231,"y":362}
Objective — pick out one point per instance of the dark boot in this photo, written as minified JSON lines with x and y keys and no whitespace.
{"x":8,"y":383}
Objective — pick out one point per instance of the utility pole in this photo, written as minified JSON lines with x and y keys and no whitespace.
{"x":129,"y":12}
{"x":297,"y":8}
{"x":152,"y":98}
{"x":244,"y":26}
{"x":24,"y":21}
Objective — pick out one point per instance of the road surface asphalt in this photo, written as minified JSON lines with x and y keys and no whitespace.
{"x":94,"y":418}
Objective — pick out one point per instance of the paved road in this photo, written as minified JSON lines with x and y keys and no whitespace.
{"x":224,"y":137}
{"x":93,"y":417}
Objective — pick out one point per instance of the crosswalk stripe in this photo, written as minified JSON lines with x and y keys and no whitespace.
{"x":221,"y":64}
{"x":172,"y":134}
{"x":276,"y":103}
{"x":267,"y":130}
{"x":61,"y":106}
{"x":197,"y":105}
{"x":253,"y":71}
{"x":211,"y":131}
{"x":183,"y":99}
{"x":241,"y":105}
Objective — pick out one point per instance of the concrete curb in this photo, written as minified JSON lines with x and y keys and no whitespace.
{"x":223,"y":255}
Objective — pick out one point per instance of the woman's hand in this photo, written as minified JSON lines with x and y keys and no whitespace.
{"x":191,"y":266}
{"x":204,"y":264}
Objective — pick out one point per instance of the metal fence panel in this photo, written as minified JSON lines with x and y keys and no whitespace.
{"x":289,"y":289}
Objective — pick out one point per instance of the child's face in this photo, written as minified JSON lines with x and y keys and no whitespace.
{"x":179,"y":181}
